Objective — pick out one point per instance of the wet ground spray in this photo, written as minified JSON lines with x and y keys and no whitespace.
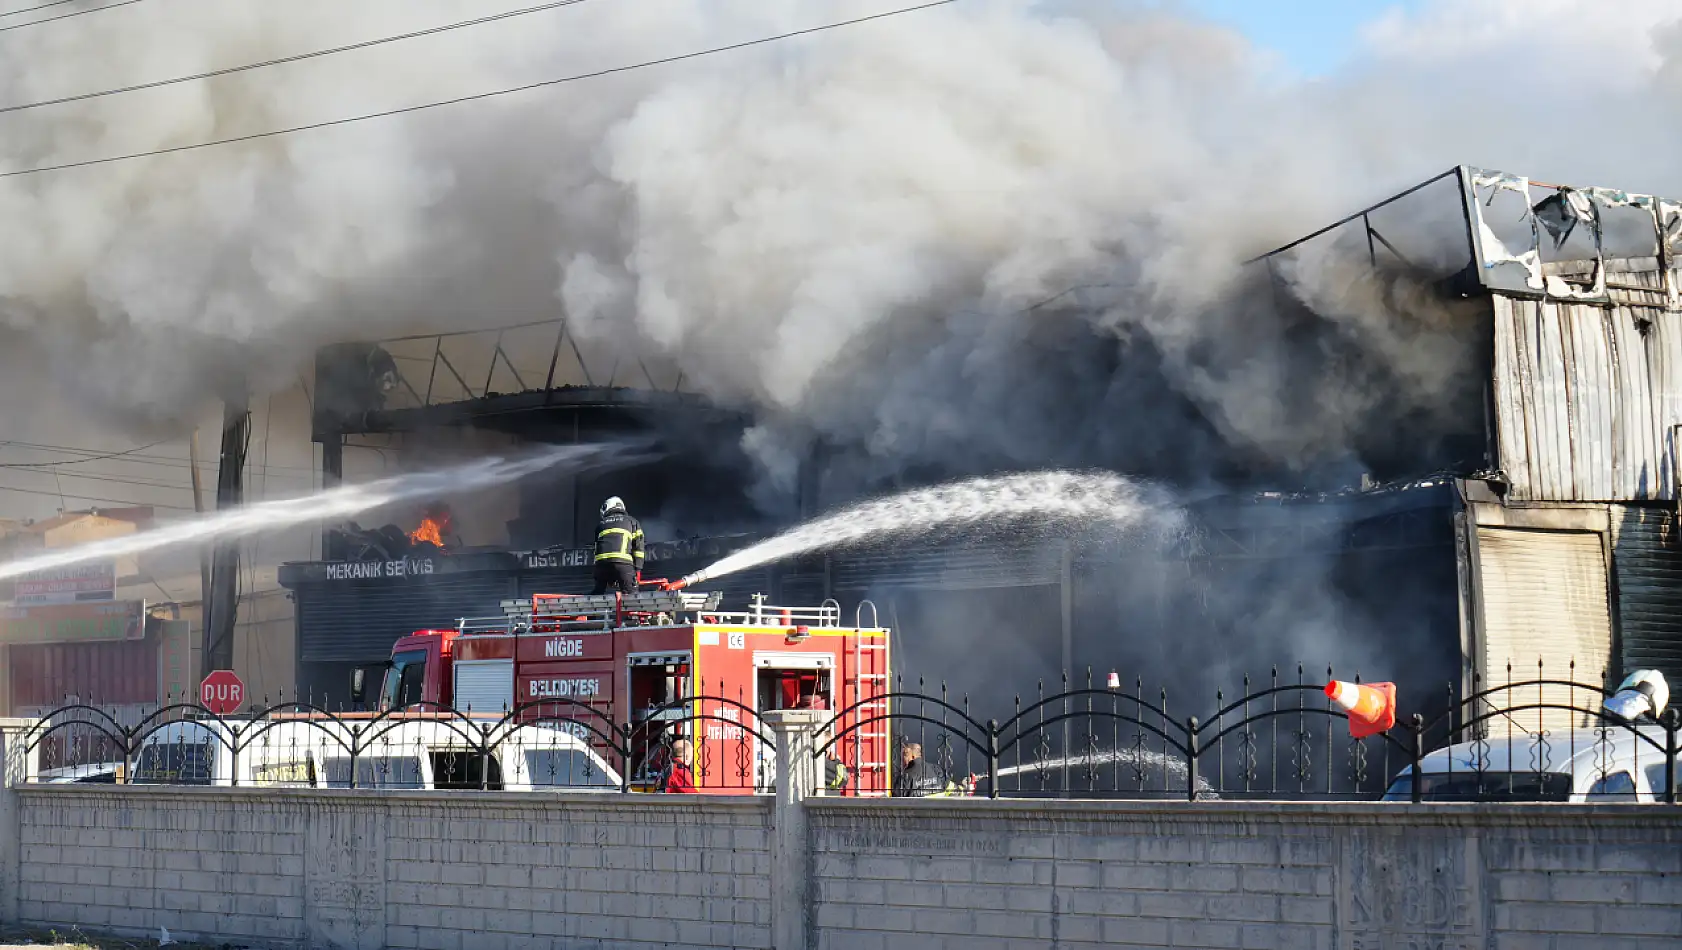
{"x":1099,"y":505}
{"x":329,"y":505}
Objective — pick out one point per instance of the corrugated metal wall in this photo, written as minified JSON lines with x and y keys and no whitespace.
{"x":1586,"y":396}
{"x":1647,"y":559}
{"x":106,"y":674}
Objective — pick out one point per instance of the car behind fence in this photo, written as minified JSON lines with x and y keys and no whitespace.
{"x":1281,"y":738}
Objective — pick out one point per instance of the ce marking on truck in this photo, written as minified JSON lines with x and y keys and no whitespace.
{"x":738,"y":641}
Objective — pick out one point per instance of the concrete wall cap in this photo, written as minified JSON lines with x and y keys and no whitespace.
{"x":1397,"y":814}
{"x":555,"y":801}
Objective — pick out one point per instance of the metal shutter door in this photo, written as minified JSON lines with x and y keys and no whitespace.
{"x":738,"y":589}
{"x":1649,"y":569}
{"x":358,"y":622}
{"x":952,"y":568}
{"x":567,"y":580}
{"x":1543,"y":597}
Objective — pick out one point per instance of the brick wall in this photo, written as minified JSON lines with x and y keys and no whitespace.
{"x":983,"y":875}
{"x":425,"y":870}
{"x":489,"y":871}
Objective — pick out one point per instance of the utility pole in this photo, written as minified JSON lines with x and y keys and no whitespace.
{"x":204,"y":558}
{"x":222,"y":611}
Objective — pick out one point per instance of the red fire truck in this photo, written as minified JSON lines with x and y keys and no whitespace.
{"x":662,"y":664}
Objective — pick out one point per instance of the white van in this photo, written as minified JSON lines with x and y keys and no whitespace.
{"x":1614,"y":766}
{"x":405,"y":753}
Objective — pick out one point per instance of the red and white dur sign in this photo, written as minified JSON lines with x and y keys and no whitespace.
{"x":222,"y":692}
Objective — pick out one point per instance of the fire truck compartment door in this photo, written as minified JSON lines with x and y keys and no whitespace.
{"x":771,"y":659}
{"x":484,"y":685}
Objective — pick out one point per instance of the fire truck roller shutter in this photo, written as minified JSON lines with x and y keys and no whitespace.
{"x":484,"y":685}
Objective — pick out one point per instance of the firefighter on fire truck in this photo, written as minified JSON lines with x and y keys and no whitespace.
{"x":618,"y":549}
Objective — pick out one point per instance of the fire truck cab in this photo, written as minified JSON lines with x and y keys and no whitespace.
{"x":658,"y":665}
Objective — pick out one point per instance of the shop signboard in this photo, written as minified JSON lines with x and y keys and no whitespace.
{"x":74,"y":584}
{"x":73,"y":623}
{"x":175,"y":660}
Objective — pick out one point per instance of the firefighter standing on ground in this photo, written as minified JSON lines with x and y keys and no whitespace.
{"x":618,"y":549}
{"x":680,"y":772}
{"x":918,"y":777}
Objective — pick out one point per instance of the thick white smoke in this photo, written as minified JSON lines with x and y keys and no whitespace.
{"x":839,"y":230}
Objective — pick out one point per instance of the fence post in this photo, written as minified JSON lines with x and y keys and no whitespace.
{"x":992,"y":758}
{"x":795,"y":731}
{"x":1191,"y":759}
{"x":1672,"y":721}
{"x":12,"y":774}
{"x":624,"y":737}
{"x":1416,"y":775}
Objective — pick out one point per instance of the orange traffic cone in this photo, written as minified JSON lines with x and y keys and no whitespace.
{"x":1371,"y":706}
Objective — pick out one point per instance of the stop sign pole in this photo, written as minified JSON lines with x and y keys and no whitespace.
{"x":222,"y":692}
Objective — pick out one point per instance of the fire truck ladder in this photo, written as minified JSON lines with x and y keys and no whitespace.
{"x":869,"y":671}
{"x":601,"y":611}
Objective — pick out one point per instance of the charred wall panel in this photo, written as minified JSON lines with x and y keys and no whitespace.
{"x":1587,"y":398}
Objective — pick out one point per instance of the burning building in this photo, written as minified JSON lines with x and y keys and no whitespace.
{"x":1465,"y":459}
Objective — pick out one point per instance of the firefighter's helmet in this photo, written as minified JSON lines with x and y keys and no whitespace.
{"x":613,"y":504}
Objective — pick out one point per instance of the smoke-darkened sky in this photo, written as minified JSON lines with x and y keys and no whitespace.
{"x":840,"y":231}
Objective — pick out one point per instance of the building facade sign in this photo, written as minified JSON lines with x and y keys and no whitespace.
{"x":175,"y":661}
{"x":78,"y":583}
{"x":422,"y":568}
{"x":73,"y":623}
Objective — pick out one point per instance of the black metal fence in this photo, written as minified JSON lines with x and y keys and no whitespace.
{"x":1523,"y":740}
{"x":1535,"y":739}
{"x":715,"y":742}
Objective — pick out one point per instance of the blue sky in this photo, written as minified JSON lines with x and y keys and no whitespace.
{"x":1312,"y":36}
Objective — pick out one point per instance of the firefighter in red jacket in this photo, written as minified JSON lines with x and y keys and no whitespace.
{"x":680,"y":775}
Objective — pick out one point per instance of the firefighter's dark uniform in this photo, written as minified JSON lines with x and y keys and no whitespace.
{"x":921,"y":779}
{"x":618,"y":553}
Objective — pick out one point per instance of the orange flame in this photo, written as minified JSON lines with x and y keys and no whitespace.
{"x":431,"y":531}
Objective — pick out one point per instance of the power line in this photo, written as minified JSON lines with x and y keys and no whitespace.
{"x":144,"y":482}
{"x":38,"y":6}
{"x":79,"y":461}
{"x":109,"y":501}
{"x":292,"y":59}
{"x":61,"y":16}
{"x":137,"y":458}
{"x":476,"y":96}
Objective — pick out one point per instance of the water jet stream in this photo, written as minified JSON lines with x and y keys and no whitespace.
{"x":334,"y":503}
{"x":1049,"y":498}
{"x":1132,"y":759}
